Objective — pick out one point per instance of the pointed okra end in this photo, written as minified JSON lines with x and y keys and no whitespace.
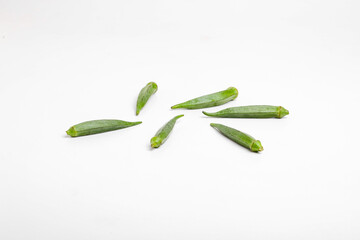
{"x":131,"y":124}
{"x":216,"y":126}
{"x":208,"y":114}
{"x":176,"y":106}
{"x":179,"y":116}
{"x":155,"y":142}
{"x":256,"y":146}
{"x":282,"y":112}
{"x":137,"y":112}
{"x":72,"y":132}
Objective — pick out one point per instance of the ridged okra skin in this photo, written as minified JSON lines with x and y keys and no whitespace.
{"x":98,"y":126}
{"x":210,"y":100}
{"x":254,"y":111}
{"x":163,"y":133}
{"x":241,"y":138}
{"x":144,"y":95}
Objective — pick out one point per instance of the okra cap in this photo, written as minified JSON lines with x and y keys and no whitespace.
{"x":256,"y":146}
{"x":282,"y":112}
{"x":155,"y":142}
{"x":71,"y":132}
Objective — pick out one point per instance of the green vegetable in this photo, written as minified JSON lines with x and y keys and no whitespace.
{"x":255,"y":111}
{"x":210,"y":100}
{"x":98,"y":126}
{"x":144,"y":95}
{"x":241,"y":138}
{"x":163,"y":133}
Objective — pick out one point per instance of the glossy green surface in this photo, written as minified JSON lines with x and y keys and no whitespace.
{"x":98,"y":126}
{"x":144,"y":95}
{"x":241,"y":138}
{"x":210,"y":100}
{"x":254,"y":111}
{"x":163,"y":133}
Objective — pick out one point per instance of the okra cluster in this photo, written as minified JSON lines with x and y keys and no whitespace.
{"x":206,"y":101}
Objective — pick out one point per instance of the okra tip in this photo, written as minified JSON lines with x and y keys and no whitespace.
{"x":154,"y":85}
{"x":71,"y":132}
{"x":256,"y":146}
{"x":207,"y":114}
{"x":176,"y":106}
{"x":236,"y":92}
{"x":283,"y":112}
{"x":179,"y":116}
{"x":155,"y":142}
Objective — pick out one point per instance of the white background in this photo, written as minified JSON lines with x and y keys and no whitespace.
{"x":64,"y":62}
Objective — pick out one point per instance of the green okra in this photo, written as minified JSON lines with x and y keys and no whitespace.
{"x":163,"y":133}
{"x":254,"y":111}
{"x":210,"y":100}
{"x":98,"y":126}
{"x":241,"y":138}
{"x":144,"y":95}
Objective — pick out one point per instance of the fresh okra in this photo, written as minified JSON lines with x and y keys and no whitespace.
{"x":210,"y":100}
{"x":144,"y":95}
{"x":254,"y":111}
{"x":241,"y":138}
{"x":163,"y":133}
{"x":98,"y":126}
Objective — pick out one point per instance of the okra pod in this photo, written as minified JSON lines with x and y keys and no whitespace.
{"x":210,"y":100}
{"x":98,"y":126}
{"x":163,"y":133}
{"x":241,"y":138}
{"x":144,"y":95}
{"x":254,"y":111}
